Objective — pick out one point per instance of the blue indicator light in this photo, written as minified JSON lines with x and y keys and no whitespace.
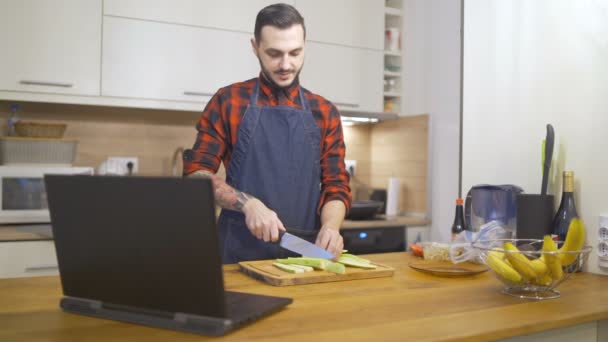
{"x":362,"y":235}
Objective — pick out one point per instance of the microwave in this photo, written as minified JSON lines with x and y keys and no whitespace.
{"x":22,"y":193}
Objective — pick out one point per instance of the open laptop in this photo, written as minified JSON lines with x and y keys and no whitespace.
{"x":145,"y":250}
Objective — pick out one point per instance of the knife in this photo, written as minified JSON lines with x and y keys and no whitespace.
{"x":547,"y":156}
{"x":303,"y":247}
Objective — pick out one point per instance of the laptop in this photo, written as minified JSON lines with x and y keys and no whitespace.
{"x":145,"y":250}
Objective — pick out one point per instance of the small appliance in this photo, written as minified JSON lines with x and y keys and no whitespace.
{"x":23,"y":195}
{"x":485,"y":203}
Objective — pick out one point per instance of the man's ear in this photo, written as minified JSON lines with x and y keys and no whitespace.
{"x":254,"y":47}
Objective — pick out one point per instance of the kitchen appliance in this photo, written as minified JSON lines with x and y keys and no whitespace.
{"x":23,"y":195}
{"x":364,"y":210}
{"x":374,"y":240}
{"x":485,"y":203}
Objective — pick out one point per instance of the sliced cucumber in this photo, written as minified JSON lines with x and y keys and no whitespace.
{"x":335,"y":267}
{"x":288,"y":268}
{"x":317,"y":263}
{"x":355,"y":263}
{"x":355,"y":258}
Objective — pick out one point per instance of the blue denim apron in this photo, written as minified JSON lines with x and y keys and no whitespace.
{"x":276,"y":159}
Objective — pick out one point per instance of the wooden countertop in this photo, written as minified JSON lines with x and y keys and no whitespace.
{"x":32,"y":232}
{"x":384,"y":222}
{"x":410,"y":306}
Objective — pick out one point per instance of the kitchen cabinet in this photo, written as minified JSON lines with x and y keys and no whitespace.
{"x":357,"y":23}
{"x":151,"y":60}
{"x":27,"y":259}
{"x":50,"y":46}
{"x":237,"y":15}
{"x":349,"y":77}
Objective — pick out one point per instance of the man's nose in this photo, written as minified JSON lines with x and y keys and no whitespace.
{"x":284,"y":63}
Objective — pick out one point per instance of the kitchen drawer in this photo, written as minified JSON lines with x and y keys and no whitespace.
{"x":27,"y":259}
{"x":374,"y":240}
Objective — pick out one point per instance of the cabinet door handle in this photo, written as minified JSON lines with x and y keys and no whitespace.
{"x":41,"y":268}
{"x":344,"y":104}
{"x":48,"y":84}
{"x":197,"y":93}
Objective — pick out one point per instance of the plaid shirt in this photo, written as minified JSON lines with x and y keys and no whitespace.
{"x":219,"y":125}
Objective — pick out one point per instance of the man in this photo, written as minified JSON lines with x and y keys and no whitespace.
{"x":282,"y":147}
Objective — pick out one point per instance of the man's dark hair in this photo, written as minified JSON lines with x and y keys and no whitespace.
{"x":281,"y":16}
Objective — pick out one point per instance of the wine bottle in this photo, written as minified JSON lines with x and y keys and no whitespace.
{"x":567,"y":209}
{"x":458,"y":225}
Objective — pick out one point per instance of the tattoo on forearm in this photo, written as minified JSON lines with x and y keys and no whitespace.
{"x":225,"y":196}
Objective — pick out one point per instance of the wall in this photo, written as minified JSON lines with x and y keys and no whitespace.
{"x":433,"y":79}
{"x":529,"y":63}
{"x":151,"y":135}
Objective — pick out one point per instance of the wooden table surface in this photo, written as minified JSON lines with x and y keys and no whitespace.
{"x":410,"y":306}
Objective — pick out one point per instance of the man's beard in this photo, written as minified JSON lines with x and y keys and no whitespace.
{"x":267,"y":74}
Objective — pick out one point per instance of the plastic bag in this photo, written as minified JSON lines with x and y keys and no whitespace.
{"x":462,"y":249}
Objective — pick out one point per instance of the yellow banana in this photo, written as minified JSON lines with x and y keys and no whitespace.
{"x":496,"y":263}
{"x":520,"y":262}
{"x":540,"y":266}
{"x":544,"y":280}
{"x":553,"y":260}
{"x":575,"y":239}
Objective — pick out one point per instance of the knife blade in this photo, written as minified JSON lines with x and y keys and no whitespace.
{"x":547,"y":157}
{"x":303,"y":247}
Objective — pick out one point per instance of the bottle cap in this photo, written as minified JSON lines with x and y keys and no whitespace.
{"x":459,"y":201}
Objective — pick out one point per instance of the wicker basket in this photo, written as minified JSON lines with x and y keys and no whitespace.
{"x":32,"y":129}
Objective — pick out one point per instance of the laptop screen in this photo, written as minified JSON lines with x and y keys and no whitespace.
{"x":145,"y":242}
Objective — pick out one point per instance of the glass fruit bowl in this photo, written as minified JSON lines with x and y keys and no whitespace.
{"x":531,"y":269}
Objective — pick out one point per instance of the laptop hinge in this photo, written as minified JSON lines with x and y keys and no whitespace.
{"x":204,"y":325}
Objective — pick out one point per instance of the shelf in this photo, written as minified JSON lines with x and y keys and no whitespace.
{"x":391,"y":94}
{"x":392,"y":53}
{"x":392,"y":11}
{"x":392,"y":73}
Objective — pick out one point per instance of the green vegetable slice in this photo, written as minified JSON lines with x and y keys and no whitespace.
{"x":335,"y":267}
{"x":355,"y":263}
{"x":317,"y":263}
{"x":288,"y":268}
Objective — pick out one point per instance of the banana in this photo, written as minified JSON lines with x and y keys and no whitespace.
{"x":540,"y":266}
{"x":496,"y":263}
{"x":575,"y":239}
{"x":544,"y":280}
{"x":520,"y":262}
{"x":553,"y":260}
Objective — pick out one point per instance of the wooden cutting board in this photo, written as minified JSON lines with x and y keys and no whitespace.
{"x":264,"y":270}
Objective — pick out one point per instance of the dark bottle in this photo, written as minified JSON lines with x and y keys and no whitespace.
{"x":458,"y":225}
{"x":567,"y":209}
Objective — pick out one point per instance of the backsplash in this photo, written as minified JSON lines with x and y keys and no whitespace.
{"x":150,"y":135}
{"x":396,"y":148}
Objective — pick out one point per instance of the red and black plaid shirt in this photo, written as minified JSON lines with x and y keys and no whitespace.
{"x":219,"y":125}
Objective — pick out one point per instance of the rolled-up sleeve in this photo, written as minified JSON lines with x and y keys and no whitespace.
{"x":210,"y":144}
{"x":334,"y":178}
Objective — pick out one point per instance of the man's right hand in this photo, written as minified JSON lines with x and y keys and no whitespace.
{"x":262,"y":222}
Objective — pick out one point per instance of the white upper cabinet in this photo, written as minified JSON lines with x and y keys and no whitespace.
{"x":349,"y":77}
{"x":50,"y":46}
{"x":151,"y":60}
{"x":237,"y":15}
{"x":358,"y":23}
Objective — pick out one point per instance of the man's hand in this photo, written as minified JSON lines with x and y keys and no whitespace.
{"x":331,"y":240}
{"x":262,"y":222}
